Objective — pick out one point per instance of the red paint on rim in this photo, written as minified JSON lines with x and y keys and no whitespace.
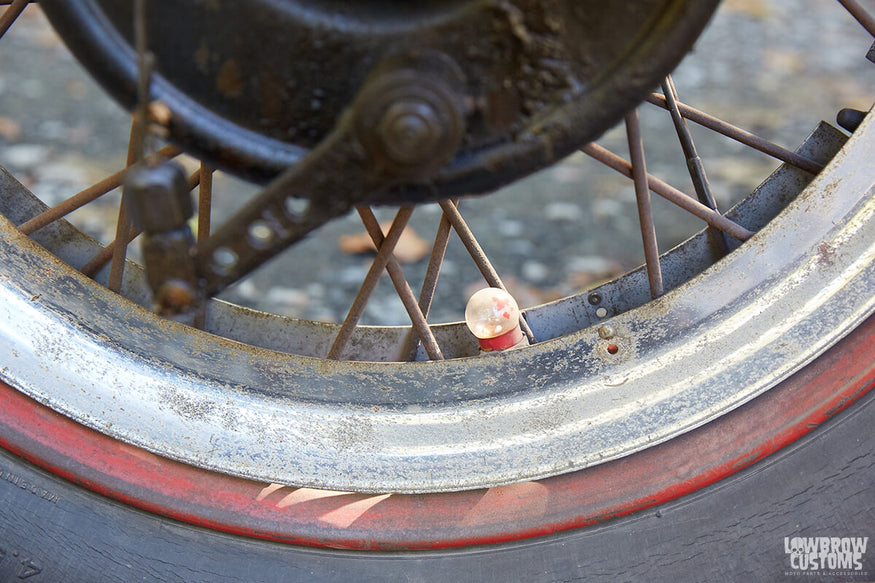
{"x":391,"y":522}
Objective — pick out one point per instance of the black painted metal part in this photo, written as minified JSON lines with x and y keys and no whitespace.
{"x":344,"y":103}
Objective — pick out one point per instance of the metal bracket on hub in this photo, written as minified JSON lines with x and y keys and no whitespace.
{"x":406,"y":123}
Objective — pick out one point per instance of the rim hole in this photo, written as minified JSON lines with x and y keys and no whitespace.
{"x":296,"y":207}
{"x":224,"y":260}
{"x":260,"y":234}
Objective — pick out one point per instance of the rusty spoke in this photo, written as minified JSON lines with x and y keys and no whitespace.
{"x":204,"y":203}
{"x":396,"y":273}
{"x":695,"y":166}
{"x":99,"y":261}
{"x":478,"y":255}
{"x":438,"y":252}
{"x":669,"y":193}
{"x":136,"y":144}
{"x":123,"y":224}
{"x":194,"y":180}
{"x":204,"y":217}
{"x":16,"y":7}
{"x":384,"y":254}
{"x":119,"y":248}
{"x":739,"y":135}
{"x":84,"y":197}
{"x":145,"y":64}
{"x":860,"y":14}
{"x":429,"y":284}
{"x":645,"y":211}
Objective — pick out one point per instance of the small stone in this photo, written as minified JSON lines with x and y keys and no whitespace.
{"x":563,"y":211}
{"x":607,"y":207}
{"x":25,"y":156}
{"x":9,"y":129}
{"x":174,"y":297}
{"x":76,"y":89}
{"x":387,"y":310}
{"x":287,"y":297}
{"x":353,"y":275}
{"x":315,"y":290}
{"x":569,"y":173}
{"x":247,"y":289}
{"x":535,"y":271}
{"x":511,"y":228}
{"x":591,"y":264}
{"x":449,"y":267}
{"x":586,"y":271}
{"x":53,"y":130}
{"x":519,"y":247}
{"x":66,"y":173}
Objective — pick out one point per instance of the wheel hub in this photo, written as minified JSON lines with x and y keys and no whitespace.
{"x":253,"y":86}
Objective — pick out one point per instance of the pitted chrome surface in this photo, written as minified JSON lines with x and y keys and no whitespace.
{"x":715,"y":342}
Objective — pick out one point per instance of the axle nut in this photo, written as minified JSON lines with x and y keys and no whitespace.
{"x":411,"y":132}
{"x":410,"y":115}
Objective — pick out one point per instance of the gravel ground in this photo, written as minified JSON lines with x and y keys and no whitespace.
{"x":772,"y":66}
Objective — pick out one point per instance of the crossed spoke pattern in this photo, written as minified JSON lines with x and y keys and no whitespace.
{"x":702,"y":206}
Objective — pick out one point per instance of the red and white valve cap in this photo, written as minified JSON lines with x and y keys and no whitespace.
{"x":493,"y":316}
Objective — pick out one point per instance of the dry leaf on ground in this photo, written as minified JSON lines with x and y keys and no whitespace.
{"x":753,"y":8}
{"x":9,"y":129}
{"x":410,"y":249}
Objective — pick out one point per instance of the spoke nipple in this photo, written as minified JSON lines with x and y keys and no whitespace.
{"x":493,"y":316}
{"x":224,"y":260}
{"x":594,"y":299}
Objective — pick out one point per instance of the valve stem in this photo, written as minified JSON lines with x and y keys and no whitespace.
{"x":493,"y":316}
